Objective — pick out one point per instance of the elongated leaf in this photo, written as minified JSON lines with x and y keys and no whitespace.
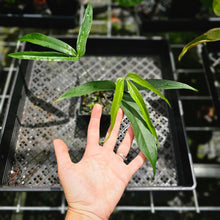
{"x":169,"y":84}
{"x":43,"y":56}
{"x":135,"y":94}
{"x":129,"y":3}
{"x":116,"y":103}
{"x":49,"y":42}
{"x":88,"y":88}
{"x":216,"y":7}
{"x":145,"y":140}
{"x":163,"y":84}
{"x":137,"y":79}
{"x":84,"y":31}
{"x":211,"y":35}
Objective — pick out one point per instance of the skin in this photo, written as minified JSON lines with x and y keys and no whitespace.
{"x":94,"y":185}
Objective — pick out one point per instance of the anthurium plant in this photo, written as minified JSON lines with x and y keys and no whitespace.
{"x":126,"y":89}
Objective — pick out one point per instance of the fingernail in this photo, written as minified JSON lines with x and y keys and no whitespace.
{"x":98,"y":106}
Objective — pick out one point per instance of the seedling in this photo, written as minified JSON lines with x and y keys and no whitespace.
{"x":126,"y":89}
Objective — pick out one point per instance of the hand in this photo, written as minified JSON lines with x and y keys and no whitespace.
{"x":94,"y":185}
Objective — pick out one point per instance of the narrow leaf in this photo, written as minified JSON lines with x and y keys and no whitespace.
{"x":169,"y":84}
{"x":209,"y":36}
{"x":216,"y":7}
{"x":43,"y":56}
{"x":49,"y":42}
{"x":135,"y":94}
{"x":137,"y":79}
{"x":116,"y":103}
{"x":163,"y":84}
{"x":84,"y":31}
{"x":88,"y":88}
{"x":145,"y":140}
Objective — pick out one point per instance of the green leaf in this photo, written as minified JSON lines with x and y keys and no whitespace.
{"x":209,"y":36}
{"x":169,"y":84}
{"x":135,"y":94}
{"x":116,"y":103}
{"x":88,"y":88}
{"x":129,"y":3}
{"x":163,"y":84}
{"x":43,"y":56}
{"x":49,"y":42}
{"x":84,"y":31}
{"x":216,"y":7}
{"x":137,"y":79}
{"x":145,"y":140}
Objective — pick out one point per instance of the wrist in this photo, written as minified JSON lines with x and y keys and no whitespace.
{"x":81,"y":215}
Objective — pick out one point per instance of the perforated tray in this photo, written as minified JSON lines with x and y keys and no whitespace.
{"x":27,"y":156}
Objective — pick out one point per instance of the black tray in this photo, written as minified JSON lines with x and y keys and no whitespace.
{"x":33,"y":120}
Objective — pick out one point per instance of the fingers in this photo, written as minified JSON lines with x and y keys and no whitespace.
{"x":111,"y":141}
{"x":62,"y":154}
{"x":135,"y":164}
{"x":94,"y":124}
{"x":125,"y":146}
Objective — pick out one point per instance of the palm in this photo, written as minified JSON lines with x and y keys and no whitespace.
{"x":96,"y":183}
{"x":98,"y":176}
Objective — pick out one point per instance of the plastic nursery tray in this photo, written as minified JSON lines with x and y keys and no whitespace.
{"x":33,"y":119}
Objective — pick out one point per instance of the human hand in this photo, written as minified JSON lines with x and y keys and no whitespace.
{"x":95,"y":184}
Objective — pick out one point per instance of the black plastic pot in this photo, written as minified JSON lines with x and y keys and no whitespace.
{"x":83,"y":116}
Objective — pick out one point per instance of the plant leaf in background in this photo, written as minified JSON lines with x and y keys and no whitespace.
{"x":135,"y":94}
{"x":49,"y":42}
{"x":116,"y":103}
{"x":84,"y":31}
{"x":129,"y":3}
{"x":137,"y":79}
{"x":209,"y":36}
{"x":216,"y":7}
{"x":145,"y":139}
{"x":43,"y":56}
{"x":87,"y":88}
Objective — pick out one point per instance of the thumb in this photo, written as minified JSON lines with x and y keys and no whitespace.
{"x":62,"y":154}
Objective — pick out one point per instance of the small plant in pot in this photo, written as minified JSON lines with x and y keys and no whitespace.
{"x":126,"y":89}
{"x":87,"y":102}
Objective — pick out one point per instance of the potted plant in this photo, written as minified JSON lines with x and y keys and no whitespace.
{"x":126,"y":89}
{"x":86,"y":104}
